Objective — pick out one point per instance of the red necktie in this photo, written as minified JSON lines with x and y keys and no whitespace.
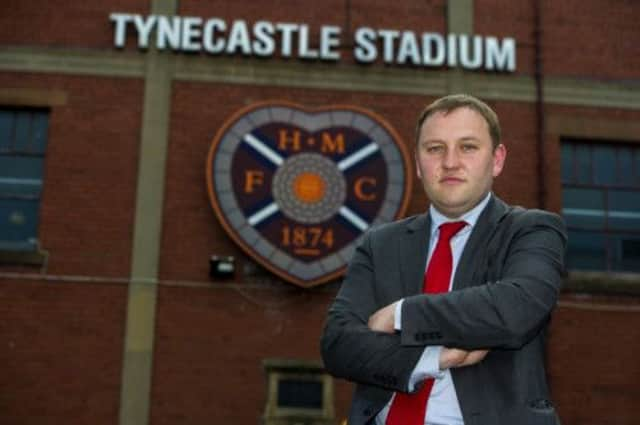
{"x":410,"y":409}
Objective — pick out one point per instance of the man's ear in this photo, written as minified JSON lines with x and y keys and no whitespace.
{"x":499,"y":157}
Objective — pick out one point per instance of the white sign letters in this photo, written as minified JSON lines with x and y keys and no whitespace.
{"x":216,"y":36}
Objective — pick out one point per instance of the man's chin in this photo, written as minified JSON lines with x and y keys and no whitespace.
{"x":451,"y":208}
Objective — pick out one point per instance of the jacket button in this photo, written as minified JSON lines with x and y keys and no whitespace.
{"x":541,"y":404}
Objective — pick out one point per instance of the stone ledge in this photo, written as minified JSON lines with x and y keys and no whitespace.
{"x":351,"y":77}
{"x":608,"y":283}
{"x":22,"y":258}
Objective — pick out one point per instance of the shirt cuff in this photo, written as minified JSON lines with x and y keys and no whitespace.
{"x":397,"y":316}
{"x":427,"y":367}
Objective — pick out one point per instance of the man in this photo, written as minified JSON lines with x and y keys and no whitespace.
{"x":441,"y":318}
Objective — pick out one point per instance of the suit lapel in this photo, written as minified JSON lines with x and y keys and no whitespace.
{"x":477,"y":243}
{"x":415,"y":254}
{"x":467,"y":274}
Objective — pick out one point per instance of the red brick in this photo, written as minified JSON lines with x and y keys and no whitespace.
{"x":63,"y":352}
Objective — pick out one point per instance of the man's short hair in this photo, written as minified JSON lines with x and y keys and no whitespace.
{"x":452,"y":102}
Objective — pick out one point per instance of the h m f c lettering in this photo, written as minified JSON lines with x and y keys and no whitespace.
{"x":285,"y":138}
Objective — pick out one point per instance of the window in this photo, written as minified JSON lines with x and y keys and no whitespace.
{"x":298,"y":391}
{"x":601,"y":205}
{"x":23,"y":141}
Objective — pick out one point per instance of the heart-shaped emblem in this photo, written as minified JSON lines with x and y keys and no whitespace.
{"x":297,"y":188}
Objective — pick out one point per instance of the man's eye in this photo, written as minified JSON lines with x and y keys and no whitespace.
{"x":434,"y":149}
{"x":469,"y":148}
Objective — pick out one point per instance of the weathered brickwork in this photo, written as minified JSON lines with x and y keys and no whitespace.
{"x":62,"y":325}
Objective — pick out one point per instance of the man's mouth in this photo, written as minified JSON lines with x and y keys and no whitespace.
{"x":451,"y":180}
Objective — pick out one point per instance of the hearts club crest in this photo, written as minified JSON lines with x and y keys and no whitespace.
{"x":296,"y":188}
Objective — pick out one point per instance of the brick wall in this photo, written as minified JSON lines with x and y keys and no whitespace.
{"x":211,"y":343}
{"x":61,"y":352}
{"x":62,"y":24}
{"x":579,"y":38}
{"x":88,"y":194}
{"x":63,"y":340}
{"x":593,"y":360}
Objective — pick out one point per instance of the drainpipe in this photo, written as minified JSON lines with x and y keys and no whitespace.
{"x":540,"y":121}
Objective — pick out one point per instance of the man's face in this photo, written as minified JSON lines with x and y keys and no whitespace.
{"x":456,"y":161}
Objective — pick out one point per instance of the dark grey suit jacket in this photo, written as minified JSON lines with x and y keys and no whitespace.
{"x":504,"y":290}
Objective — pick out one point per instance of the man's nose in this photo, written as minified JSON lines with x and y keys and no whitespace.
{"x":451,"y":159}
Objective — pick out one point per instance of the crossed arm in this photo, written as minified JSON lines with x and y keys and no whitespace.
{"x":383,"y":320}
{"x":360,"y":343}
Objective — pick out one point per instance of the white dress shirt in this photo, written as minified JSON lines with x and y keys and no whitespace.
{"x":443,"y":406}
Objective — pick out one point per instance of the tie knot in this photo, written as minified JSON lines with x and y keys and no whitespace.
{"x":448,"y":230}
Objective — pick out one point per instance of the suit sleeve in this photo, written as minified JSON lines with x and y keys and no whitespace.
{"x":349,"y":348}
{"x":505,"y":313}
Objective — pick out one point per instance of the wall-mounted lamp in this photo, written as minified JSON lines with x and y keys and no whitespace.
{"x":222,"y":267}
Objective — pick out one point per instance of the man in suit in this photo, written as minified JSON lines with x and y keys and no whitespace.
{"x":472,"y":351}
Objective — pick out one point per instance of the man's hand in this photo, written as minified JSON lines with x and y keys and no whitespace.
{"x":383,"y":320}
{"x":455,"y":357}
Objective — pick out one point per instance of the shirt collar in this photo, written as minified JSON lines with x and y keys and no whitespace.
{"x":470,"y":217}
